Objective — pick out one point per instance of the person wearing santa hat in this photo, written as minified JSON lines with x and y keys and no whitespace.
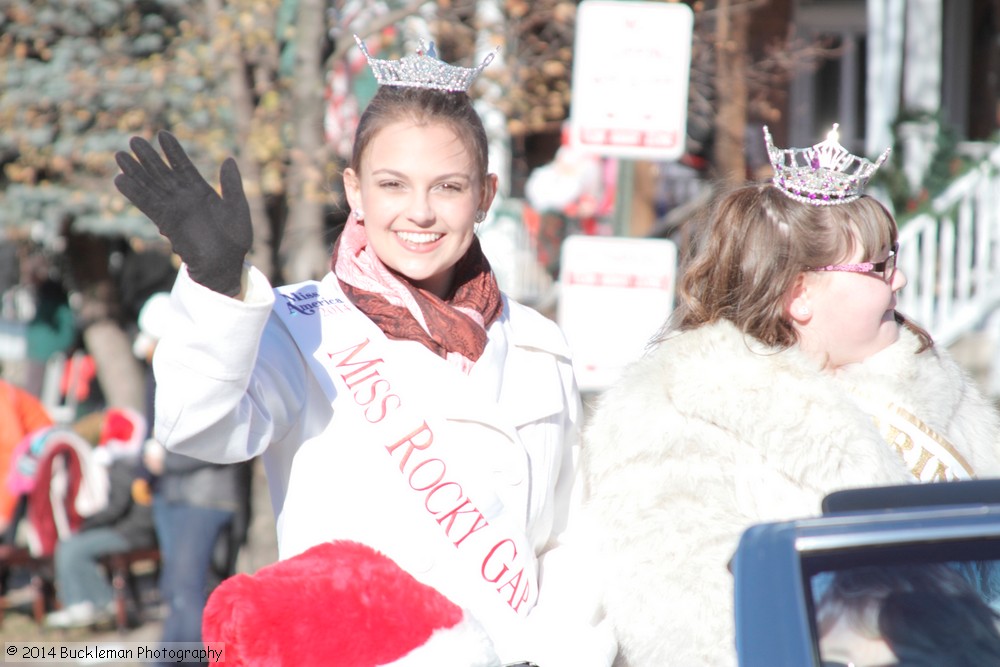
{"x":125,"y":523}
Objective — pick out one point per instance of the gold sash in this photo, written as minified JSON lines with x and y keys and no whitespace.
{"x":927,"y":454}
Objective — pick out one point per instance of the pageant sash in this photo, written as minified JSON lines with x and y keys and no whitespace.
{"x":405,"y":440}
{"x":927,"y":454}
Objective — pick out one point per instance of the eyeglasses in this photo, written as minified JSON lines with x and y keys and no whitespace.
{"x":886,"y":267}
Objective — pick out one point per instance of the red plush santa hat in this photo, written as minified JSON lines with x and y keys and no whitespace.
{"x":340,"y":604}
{"x":122,"y":432}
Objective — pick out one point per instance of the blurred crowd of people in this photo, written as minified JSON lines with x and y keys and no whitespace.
{"x":82,"y":479}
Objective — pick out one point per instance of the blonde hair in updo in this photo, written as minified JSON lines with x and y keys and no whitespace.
{"x":746,"y":256}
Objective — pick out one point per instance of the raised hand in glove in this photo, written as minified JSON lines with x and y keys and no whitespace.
{"x":212,"y":234}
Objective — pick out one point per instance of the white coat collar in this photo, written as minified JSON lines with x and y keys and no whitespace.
{"x":521,"y":370}
{"x":518,"y":380}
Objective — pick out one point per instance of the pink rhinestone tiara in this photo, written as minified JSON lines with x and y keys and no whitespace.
{"x":423,"y":70}
{"x":822,"y":175}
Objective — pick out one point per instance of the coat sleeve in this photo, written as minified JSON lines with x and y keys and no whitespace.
{"x":666,"y":521}
{"x":567,"y":625}
{"x":217,"y":397}
{"x":635,"y":570}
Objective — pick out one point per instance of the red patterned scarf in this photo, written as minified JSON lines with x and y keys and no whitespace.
{"x":453,"y":328}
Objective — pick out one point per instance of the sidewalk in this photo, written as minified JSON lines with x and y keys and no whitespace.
{"x":19,"y":627}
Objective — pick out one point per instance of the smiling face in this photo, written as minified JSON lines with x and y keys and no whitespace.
{"x":419,"y":188}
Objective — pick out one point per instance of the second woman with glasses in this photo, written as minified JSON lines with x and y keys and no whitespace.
{"x":785,"y":373}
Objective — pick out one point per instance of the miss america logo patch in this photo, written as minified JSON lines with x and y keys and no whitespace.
{"x":307,"y":301}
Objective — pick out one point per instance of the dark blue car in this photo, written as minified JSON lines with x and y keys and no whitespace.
{"x":906,"y":576}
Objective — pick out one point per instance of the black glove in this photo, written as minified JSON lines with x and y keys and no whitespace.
{"x":211,"y":234}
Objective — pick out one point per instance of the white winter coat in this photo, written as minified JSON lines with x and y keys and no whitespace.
{"x":712,"y":432}
{"x":232,"y":384}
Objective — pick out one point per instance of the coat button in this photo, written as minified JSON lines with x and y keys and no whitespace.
{"x":513,"y":476}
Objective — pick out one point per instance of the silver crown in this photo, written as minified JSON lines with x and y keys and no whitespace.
{"x":822,"y":175}
{"x":424,"y":70}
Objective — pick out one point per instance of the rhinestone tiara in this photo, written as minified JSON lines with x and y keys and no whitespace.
{"x":822,"y":175}
{"x":424,"y":70}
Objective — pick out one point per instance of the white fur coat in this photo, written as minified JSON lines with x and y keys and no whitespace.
{"x":712,"y":432}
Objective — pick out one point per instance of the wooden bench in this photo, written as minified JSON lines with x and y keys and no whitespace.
{"x":40,"y":571}
{"x":122,"y":569}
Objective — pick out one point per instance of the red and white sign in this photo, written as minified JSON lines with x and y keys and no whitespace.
{"x":630,"y":78}
{"x":615,"y":294}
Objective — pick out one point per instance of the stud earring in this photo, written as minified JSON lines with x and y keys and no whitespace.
{"x":359,"y":215}
{"x":803,"y":311}
{"x":480,"y":216}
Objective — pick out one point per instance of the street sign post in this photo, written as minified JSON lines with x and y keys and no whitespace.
{"x":614,"y":295}
{"x":630,"y":79}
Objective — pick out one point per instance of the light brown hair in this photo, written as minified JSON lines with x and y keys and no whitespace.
{"x":747,"y":254}
{"x":422,"y":106}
